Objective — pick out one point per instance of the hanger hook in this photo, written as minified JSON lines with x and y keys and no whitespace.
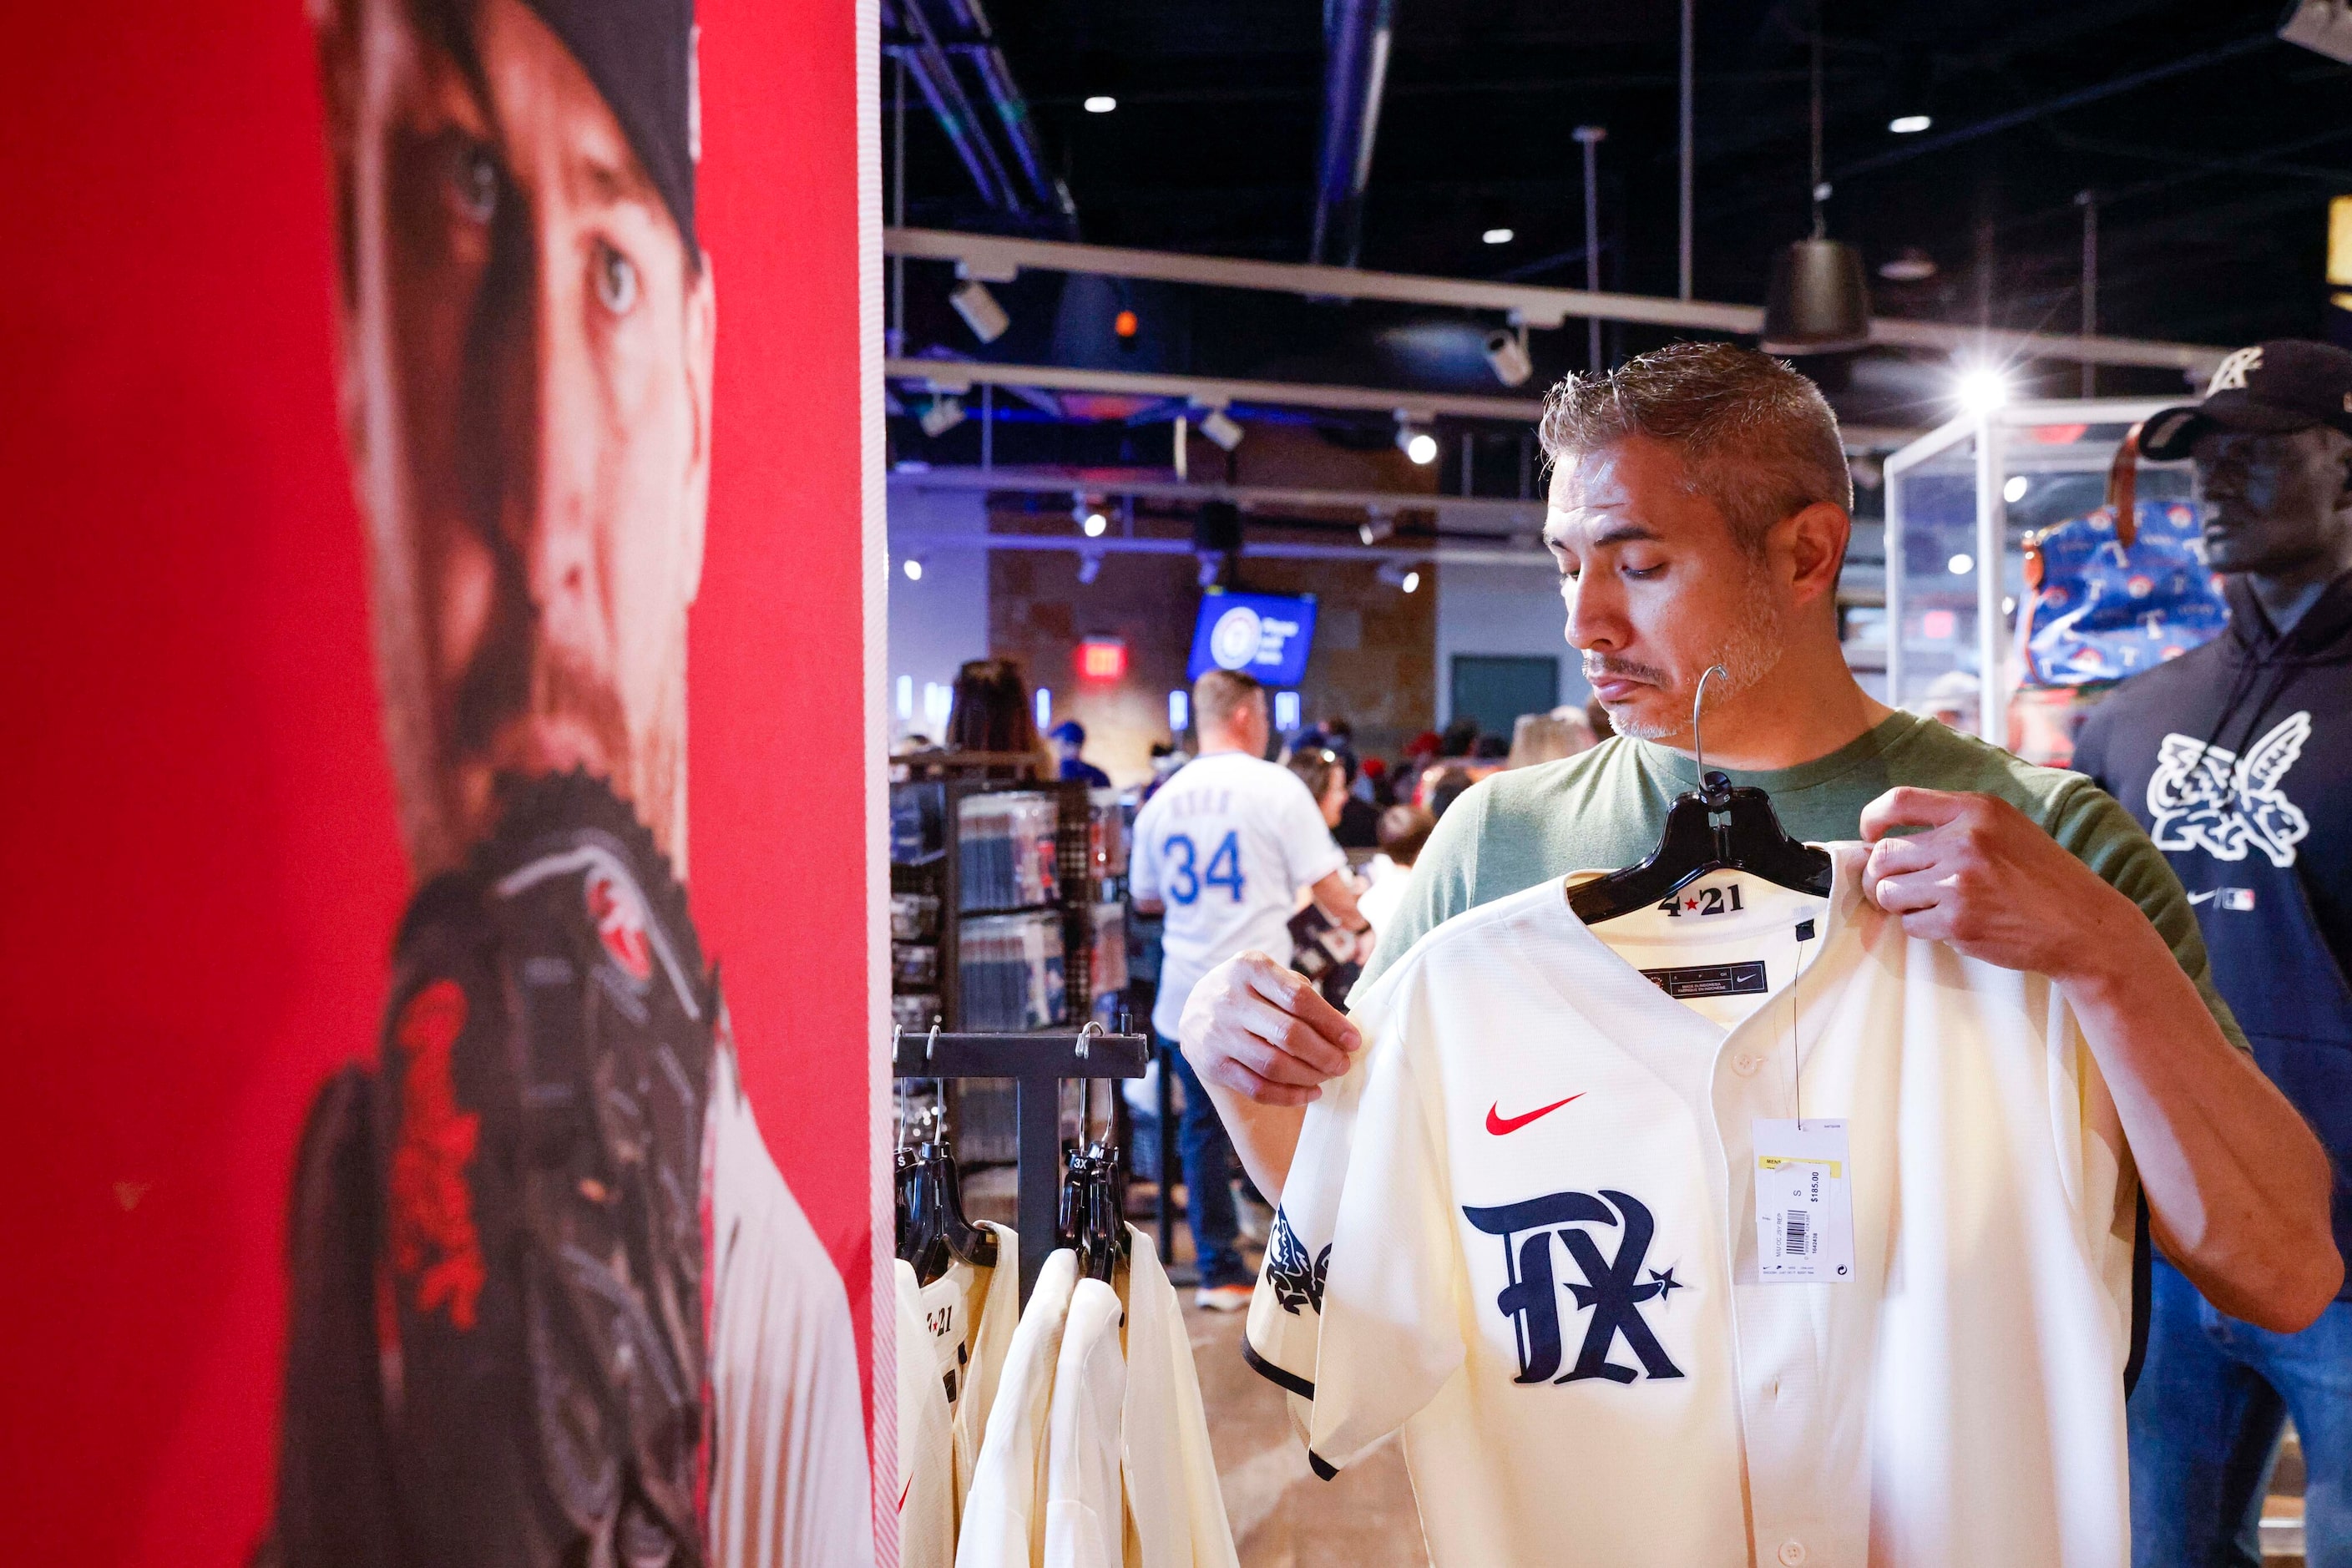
{"x":1698,"y":699}
{"x":931,"y":1046}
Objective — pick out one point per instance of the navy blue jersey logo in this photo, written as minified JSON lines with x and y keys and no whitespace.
{"x":1613,"y":1289}
{"x":1298,"y":1280}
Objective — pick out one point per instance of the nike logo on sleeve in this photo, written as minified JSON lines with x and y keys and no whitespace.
{"x":1499,"y":1124}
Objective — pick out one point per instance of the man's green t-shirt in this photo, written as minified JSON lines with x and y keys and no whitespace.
{"x":1605,"y":808}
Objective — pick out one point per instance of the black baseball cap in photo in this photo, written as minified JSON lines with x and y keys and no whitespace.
{"x":641,"y":56}
{"x":2272,"y":388}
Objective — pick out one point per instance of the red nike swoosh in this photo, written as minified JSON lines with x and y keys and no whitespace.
{"x":1499,"y":1124}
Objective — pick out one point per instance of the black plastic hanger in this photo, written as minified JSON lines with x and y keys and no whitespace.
{"x":1094,"y":1210}
{"x":932,"y":1231}
{"x":1714,"y":828}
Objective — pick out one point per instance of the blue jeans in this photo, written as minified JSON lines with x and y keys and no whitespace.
{"x":2205,"y":1424}
{"x":1208,"y":1157}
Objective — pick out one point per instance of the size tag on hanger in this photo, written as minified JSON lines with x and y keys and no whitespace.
{"x":1804,"y":1201}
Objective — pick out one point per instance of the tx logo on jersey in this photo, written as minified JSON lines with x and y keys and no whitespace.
{"x":1612,"y":1288}
{"x":1298,"y":1280}
{"x":2209,"y":798}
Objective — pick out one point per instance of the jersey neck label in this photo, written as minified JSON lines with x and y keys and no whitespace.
{"x":1804,"y":1201}
{"x":1709,"y":979}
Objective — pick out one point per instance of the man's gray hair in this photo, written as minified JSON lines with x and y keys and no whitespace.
{"x":1759,"y":439}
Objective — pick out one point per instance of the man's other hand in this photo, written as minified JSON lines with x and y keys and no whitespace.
{"x":1983,"y":878}
{"x":1263,"y":1031}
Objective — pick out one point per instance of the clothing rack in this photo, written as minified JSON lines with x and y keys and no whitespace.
{"x":1037,"y":1064}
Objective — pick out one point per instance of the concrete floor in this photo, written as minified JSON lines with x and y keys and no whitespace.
{"x":1282,"y":1515}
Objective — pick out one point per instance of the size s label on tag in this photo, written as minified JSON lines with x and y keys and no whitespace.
{"x":1804,"y":1201}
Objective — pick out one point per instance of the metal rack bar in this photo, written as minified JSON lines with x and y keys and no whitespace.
{"x":1037,"y":1064}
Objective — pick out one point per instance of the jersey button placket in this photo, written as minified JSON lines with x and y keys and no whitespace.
{"x":1746,"y":1063}
{"x":1792,"y":1552}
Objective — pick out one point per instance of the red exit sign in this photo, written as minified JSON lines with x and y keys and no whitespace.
{"x":1102,"y":658}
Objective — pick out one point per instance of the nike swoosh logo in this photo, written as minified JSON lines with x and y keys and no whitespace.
{"x":2200,"y":898}
{"x":1499,"y":1124}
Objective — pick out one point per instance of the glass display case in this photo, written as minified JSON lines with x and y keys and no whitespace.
{"x":1960,"y":502}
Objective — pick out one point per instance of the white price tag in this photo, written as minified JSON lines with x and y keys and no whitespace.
{"x":1804,"y":1203}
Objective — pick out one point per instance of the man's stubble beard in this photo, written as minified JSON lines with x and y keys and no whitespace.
{"x":1750,"y":651}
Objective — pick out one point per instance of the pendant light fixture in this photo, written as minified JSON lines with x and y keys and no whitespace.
{"x":1820,"y":300}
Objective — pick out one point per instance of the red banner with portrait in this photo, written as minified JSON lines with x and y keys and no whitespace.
{"x":443,"y":814}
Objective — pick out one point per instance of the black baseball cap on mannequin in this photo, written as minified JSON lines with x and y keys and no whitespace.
{"x":2272,"y":388}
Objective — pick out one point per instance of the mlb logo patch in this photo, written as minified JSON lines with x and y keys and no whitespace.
{"x":2238,"y":899}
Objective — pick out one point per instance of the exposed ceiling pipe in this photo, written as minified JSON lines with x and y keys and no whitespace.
{"x":1356,"y":35}
{"x":978,"y":45}
{"x":999,"y":258}
{"x":928,"y":64}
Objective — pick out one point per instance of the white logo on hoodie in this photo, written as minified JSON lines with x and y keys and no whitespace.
{"x":2209,"y":798}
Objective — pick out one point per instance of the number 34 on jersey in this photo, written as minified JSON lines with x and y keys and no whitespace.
{"x":1189,"y":880}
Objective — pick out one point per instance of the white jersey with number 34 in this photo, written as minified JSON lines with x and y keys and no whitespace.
{"x":1226,"y":846}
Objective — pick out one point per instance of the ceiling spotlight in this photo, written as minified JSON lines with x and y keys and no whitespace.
{"x":1411,"y":583}
{"x":1960,"y":565}
{"x":1909,"y":265}
{"x":943,"y":415}
{"x":1089,"y":564}
{"x":1101,"y":103}
{"x":1096,"y":525}
{"x":1376,"y":527}
{"x":1497,"y":237}
{"x":2014,"y":491}
{"x":913,"y":568}
{"x":1416,"y":443}
{"x":1910,"y":124}
{"x":1507,"y":357}
{"x":1218,"y":427}
{"x":979,"y":310}
{"x":1980,"y":390}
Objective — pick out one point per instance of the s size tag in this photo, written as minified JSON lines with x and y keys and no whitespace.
{"x":1804,"y":1201}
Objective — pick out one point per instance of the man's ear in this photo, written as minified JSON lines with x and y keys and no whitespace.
{"x":701,"y":339}
{"x":1817,"y":538}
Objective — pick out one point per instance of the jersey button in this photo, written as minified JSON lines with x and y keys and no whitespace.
{"x":1746,"y":1066}
{"x":1792,"y":1552}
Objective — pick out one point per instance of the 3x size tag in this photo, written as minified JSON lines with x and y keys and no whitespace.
{"x":1709,"y":979}
{"x":1804,"y":1201}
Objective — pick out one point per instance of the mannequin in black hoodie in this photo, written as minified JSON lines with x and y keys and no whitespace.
{"x":2237,"y":758}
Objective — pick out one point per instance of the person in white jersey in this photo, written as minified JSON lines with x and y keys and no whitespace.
{"x":1221,"y":852}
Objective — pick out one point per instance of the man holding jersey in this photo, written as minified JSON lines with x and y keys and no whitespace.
{"x":1699,"y":514}
{"x":1221,"y":851}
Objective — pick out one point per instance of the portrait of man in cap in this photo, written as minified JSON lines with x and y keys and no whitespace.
{"x":551,"y":1300}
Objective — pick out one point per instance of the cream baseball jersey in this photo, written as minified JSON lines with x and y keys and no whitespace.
{"x":1226,"y":846}
{"x":1522,"y":1230}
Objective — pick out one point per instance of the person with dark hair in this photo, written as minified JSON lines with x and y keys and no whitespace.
{"x":1403,"y":830}
{"x":1699,"y":513}
{"x":1325,"y":774}
{"x":1450,"y":785}
{"x":1490,"y":749}
{"x":991,"y":710}
{"x":1460,"y":740}
{"x":1069,"y":738}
